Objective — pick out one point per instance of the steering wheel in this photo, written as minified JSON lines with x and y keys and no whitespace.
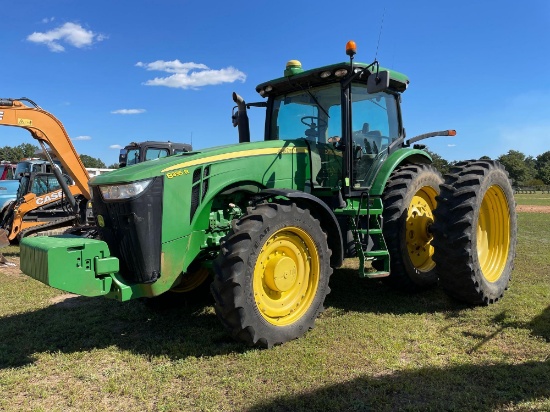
{"x":312,"y":124}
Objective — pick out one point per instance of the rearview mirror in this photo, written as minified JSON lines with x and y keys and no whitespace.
{"x":378,"y":83}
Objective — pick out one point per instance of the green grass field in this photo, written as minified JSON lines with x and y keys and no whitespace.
{"x":537,"y":199}
{"x":372,"y":349}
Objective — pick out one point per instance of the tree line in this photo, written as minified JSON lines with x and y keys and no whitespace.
{"x":26,"y":150}
{"x":523,"y":170}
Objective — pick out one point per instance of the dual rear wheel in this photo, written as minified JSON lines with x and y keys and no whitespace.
{"x":460,"y":230}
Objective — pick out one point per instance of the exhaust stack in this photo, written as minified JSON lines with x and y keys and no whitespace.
{"x":240,"y":119}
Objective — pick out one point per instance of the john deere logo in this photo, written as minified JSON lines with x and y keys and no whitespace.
{"x":100,"y":221}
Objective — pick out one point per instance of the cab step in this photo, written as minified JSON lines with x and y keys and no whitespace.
{"x":377,"y":274}
{"x":369,"y":243}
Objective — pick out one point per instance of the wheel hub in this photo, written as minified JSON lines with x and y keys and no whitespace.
{"x":493,"y":233}
{"x":419,"y":236}
{"x":280,"y":273}
{"x":286,"y":276}
{"x":419,"y":228}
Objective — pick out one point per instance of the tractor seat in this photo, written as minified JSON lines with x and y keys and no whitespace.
{"x":373,"y":141}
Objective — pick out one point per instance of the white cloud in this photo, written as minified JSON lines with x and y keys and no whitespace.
{"x":48,"y":19}
{"x":69,"y":33}
{"x":174,"y":66}
{"x":115,"y":146}
{"x":128,"y":111}
{"x":451,"y":145}
{"x":82,"y":138}
{"x":190,"y":75}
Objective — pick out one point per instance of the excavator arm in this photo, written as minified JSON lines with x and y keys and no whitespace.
{"x":46,"y":128}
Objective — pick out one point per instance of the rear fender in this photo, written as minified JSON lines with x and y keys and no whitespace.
{"x":397,"y":158}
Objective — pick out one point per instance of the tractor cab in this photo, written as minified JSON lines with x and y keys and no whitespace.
{"x":349,"y":123}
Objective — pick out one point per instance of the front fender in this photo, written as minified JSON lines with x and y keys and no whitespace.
{"x":321,"y":211}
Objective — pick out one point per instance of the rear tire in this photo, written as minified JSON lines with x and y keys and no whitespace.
{"x":409,"y":201}
{"x":272,"y":275}
{"x":475,"y":232}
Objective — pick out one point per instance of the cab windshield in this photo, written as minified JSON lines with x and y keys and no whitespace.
{"x":316,"y":116}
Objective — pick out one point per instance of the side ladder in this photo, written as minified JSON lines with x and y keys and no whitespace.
{"x":366,"y":225}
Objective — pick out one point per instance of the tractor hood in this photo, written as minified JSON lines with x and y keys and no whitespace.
{"x":172,"y":164}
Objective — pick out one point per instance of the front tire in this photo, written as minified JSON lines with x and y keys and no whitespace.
{"x":272,"y":275}
{"x":194,"y":288}
{"x":409,"y":202}
{"x":475,"y":232}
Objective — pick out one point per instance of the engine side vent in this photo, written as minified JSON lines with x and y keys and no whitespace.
{"x":196,"y":175}
{"x":195,"y":196}
{"x":206,"y":174}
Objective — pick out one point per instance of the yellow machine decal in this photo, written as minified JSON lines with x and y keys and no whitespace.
{"x":177,"y":173}
{"x":24,"y":122}
{"x":228,"y":156}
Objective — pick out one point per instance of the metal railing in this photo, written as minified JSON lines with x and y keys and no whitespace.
{"x":531,"y":190}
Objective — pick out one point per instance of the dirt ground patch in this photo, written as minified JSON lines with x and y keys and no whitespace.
{"x":533,"y":209}
{"x":12,"y":268}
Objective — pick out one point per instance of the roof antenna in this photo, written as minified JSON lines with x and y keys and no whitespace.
{"x":380,"y":33}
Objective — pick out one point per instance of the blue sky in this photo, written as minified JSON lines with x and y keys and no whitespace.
{"x":118,"y":71}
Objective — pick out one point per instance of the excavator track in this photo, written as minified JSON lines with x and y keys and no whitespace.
{"x":54,"y":224}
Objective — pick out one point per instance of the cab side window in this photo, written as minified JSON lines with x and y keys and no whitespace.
{"x":153,"y":153}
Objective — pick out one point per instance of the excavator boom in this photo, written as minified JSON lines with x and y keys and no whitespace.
{"x":46,"y":128}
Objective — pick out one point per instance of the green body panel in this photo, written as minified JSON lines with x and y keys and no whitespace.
{"x":234,"y":156}
{"x":70,"y":263}
{"x":270,"y":164}
{"x":173,"y":256}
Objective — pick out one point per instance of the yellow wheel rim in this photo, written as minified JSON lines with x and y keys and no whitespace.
{"x":418,"y":237}
{"x":286,"y":276}
{"x":191,"y":281}
{"x":493,"y":233}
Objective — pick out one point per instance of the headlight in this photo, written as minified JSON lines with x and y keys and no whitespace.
{"x":119,"y":192}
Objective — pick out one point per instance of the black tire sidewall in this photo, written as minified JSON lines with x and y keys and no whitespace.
{"x":305,"y":222}
{"x":494,"y":290}
{"x":402,"y":186}
{"x":420,"y":278}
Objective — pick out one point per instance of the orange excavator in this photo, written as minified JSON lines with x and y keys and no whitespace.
{"x":62,"y":200}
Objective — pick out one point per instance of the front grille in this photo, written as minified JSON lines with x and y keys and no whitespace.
{"x":133,"y":230}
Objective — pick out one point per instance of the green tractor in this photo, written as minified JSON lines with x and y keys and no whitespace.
{"x":334,"y":177}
